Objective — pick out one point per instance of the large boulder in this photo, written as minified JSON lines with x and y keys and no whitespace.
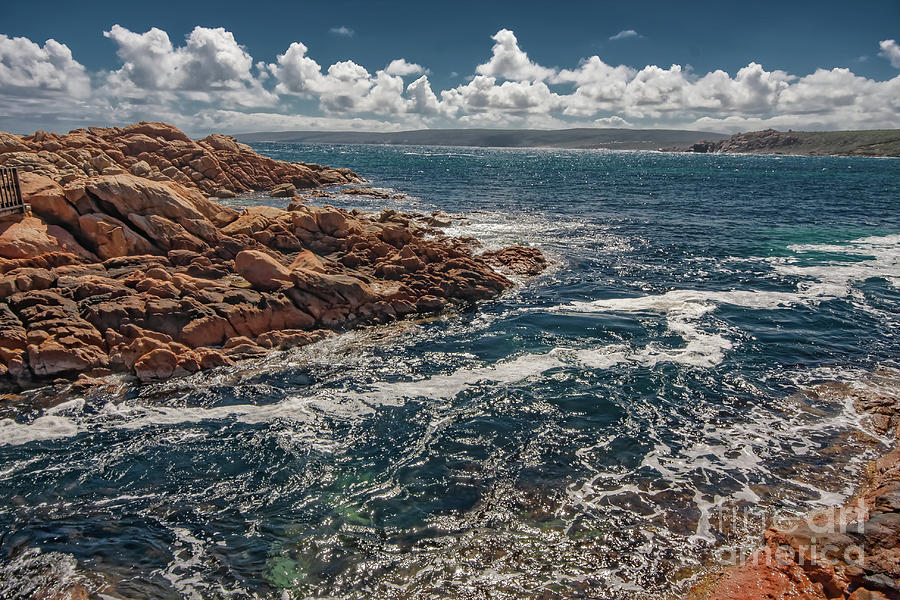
{"x":253,"y":220}
{"x":112,"y":238}
{"x":156,"y":129}
{"x":31,"y":237}
{"x":130,"y":194}
{"x":167,"y":234}
{"x":261,"y":270}
{"x":284,"y":190}
{"x":338,"y":290}
{"x":47,"y":199}
{"x":159,"y":363}
{"x":59,"y":340}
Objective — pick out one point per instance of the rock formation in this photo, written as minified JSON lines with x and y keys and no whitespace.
{"x":851,"y":553}
{"x":127,"y":265}
{"x":217,"y":165}
{"x":768,"y":140}
{"x":885,"y":142}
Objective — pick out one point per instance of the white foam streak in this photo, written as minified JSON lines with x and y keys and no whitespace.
{"x":47,"y":427}
{"x":683,"y":308}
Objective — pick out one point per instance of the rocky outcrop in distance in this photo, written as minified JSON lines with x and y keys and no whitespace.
{"x":765,"y":141}
{"x":126,"y":264}
{"x":812,"y":143}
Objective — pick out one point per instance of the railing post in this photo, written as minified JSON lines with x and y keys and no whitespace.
{"x":15,"y":174}
{"x":11,"y":200}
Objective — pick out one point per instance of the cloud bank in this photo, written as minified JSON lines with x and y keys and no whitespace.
{"x":211,"y":82}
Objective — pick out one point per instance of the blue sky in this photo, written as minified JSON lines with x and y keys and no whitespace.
{"x":811,"y":65}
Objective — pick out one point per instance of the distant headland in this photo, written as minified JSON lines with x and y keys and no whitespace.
{"x":879,"y":142}
{"x":585,"y":138}
{"x":875,"y":142}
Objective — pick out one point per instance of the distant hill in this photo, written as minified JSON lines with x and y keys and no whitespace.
{"x":876,"y":142}
{"x":618,"y":139}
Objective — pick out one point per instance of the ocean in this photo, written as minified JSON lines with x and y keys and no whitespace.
{"x":609,"y":429}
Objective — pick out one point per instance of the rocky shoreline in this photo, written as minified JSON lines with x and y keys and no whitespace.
{"x":878,"y":143}
{"x":126,"y":264}
{"x":848,"y":553}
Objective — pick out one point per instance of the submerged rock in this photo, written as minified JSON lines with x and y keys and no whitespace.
{"x":518,"y":260}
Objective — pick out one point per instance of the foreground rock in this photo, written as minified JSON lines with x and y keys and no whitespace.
{"x":852,"y":553}
{"x":216,"y":165}
{"x":118,"y":271}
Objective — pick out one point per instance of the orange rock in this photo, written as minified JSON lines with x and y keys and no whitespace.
{"x":289,"y":338}
{"x":30,"y":237}
{"x":47,"y":199}
{"x":210,"y":359}
{"x":765,"y":578}
{"x":113,"y":238}
{"x":518,"y":260}
{"x":307,"y":260}
{"x":261,"y":270}
{"x":156,"y":364}
{"x":177,"y":266}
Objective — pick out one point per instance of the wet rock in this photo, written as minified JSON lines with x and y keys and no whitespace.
{"x":284,"y":190}
{"x":373,"y":192}
{"x":856,"y":556}
{"x":438,"y":220}
{"x":518,"y":260}
{"x":289,"y":338}
{"x":242,"y":347}
{"x":156,"y":364}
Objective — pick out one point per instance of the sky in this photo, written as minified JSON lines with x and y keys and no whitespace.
{"x":396,"y":65}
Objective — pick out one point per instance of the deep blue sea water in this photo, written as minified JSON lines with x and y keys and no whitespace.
{"x":581,"y":436}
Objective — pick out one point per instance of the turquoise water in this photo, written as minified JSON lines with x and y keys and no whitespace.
{"x":581,"y":436}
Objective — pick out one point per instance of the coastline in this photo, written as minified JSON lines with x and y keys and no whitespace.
{"x":125,"y":264}
{"x":850,"y":551}
{"x":873,"y":144}
{"x":347,"y":203}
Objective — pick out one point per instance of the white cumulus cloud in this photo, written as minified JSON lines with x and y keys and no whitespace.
{"x":625,"y":34}
{"x":210,"y":66}
{"x":211,"y":58}
{"x":482,"y":95}
{"x":401,"y":67}
{"x":347,"y":87}
{"x":211,"y":82}
{"x":511,"y":62}
{"x":422,"y":98}
{"x":29,"y":69}
{"x":891,"y":51}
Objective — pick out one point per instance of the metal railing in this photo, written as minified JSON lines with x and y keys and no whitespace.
{"x":10,"y":192}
